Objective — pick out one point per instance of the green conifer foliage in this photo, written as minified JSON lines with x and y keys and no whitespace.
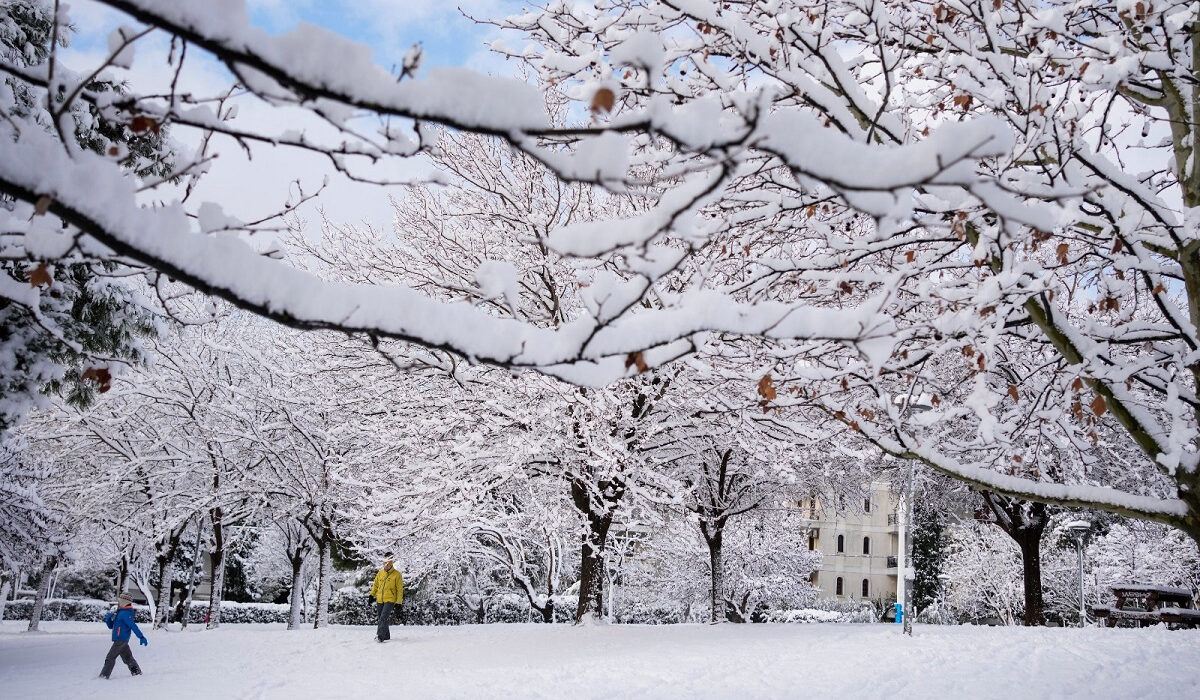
{"x":928,"y":554}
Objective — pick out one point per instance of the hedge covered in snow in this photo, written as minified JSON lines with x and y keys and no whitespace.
{"x":85,"y":610}
{"x":237,"y":613}
{"x":352,"y":607}
{"x":69,"y":609}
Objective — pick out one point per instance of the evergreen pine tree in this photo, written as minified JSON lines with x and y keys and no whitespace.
{"x":928,"y":544}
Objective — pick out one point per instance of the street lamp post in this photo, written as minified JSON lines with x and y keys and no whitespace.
{"x":906,"y":572}
{"x":1079,"y":530}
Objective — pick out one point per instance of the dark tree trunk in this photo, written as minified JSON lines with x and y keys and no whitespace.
{"x":324,"y":578}
{"x":597,"y":503}
{"x":197,"y":567}
{"x":43,"y":591}
{"x":122,"y":574}
{"x":216,"y":558}
{"x":1025,"y":522}
{"x":547,"y":610}
{"x":1030,"y":542}
{"x":717,"y":567}
{"x":591,"y":570}
{"x":296,"y":558}
{"x":166,"y":580}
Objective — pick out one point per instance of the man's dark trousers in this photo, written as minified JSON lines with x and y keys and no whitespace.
{"x":382,"y":632}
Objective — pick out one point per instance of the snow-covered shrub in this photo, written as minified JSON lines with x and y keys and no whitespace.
{"x":436,"y":609}
{"x":806,"y":615}
{"x":235,"y":613}
{"x":350,"y":606}
{"x":860,"y":611}
{"x":508,"y":608}
{"x":70,"y":610}
{"x":937,"y":615}
{"x":652,"y":612}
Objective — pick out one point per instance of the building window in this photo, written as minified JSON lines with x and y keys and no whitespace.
{"x":867,"y":504}
{"x":866,"y":545}
{"x":812,"y":541}
{"x":841,"y":544}
{"x":866,"y":588}
{"x":838,"y":587}
{"x":812,"y":578}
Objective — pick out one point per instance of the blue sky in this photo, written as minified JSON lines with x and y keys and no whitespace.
{"x":246,"y":186}
{"x":390,"y":27}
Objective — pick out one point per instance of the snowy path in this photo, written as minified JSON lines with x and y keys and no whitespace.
{"x":534,"y":661}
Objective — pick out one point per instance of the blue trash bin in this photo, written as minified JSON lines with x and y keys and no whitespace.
{"x":899,"y":613}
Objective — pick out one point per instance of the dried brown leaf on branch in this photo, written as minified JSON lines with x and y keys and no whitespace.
{"x":603,"y":100}
{"x":1099,"y":405}
{"x":100,"y":375}
{"x":635,"y":358}
{"x":766,"y":388}
{"x":1012,"y":391}
{"x":141,"y":125}
{"x":40,"y":275}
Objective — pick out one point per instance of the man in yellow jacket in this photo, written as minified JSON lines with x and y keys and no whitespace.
{"x":388,"y":592}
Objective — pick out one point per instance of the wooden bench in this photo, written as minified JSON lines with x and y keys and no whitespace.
{"x":1141,"y":605}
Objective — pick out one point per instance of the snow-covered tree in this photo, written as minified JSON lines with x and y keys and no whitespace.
{"x":26,"y":522}
{"x":769,"y":563}
{"x":950,"y":288}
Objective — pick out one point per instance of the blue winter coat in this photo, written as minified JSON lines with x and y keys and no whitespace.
{"x":121,"y":623}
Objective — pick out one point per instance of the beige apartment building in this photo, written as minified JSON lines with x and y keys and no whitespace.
{"x":860,"y":539}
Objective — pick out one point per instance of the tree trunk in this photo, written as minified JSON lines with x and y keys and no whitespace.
{"x":718,"y":575}
{"x":4,"y":596}
{"x":297,"y":592}
{"x":43,"y":589}
{"x":1030,"y":541}
{"x":122,"y":574}
{"x":166,"y":575}
{"x":216,"y":559}
{"x":191,"y":587}
{"x":551,"y":577}
{"x":324,"y":581}
{"x":547,"y":610}
{"x":165,"y":581}
{"x":1024,"y":522}
{"x":591,"y":570}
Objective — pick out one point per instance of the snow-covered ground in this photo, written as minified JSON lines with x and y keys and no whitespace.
{"x":535,"y":661}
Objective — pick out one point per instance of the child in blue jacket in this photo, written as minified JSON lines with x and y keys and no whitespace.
{"x":121,"y":623}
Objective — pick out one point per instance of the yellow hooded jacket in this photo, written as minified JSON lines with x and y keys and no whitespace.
{"x":388,"y":587}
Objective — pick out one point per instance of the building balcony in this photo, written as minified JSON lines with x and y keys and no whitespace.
{"x":893,"y":519}
{"x":892,"y":562}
